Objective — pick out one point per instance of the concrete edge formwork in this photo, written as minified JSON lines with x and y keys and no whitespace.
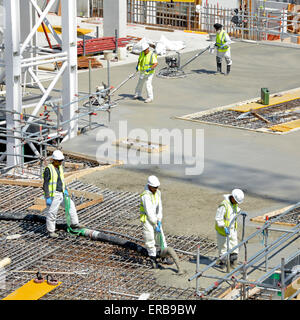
{"x":273,"y":214}
{"x":191,"y":116}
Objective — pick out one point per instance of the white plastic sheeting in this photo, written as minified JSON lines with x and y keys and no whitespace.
{"x":161,"y":46}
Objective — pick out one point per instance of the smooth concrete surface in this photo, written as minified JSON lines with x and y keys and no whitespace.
{"x":261,"y":164}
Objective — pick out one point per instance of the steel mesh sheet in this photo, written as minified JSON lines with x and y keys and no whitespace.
{"x":92,"y":269}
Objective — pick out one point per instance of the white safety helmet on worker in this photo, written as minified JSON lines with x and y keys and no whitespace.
{"x":238,"y":195}
{"x":145,"y":46}
{"x":57,"y":155}
{"x":153,"y":182}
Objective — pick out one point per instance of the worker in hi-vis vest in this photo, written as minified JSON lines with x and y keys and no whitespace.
{"x":226,"y":212}
{"x":54,"y":191}
{"x":223,"y":49}
{"x":151,"y":217}
{"x":147,"y":63}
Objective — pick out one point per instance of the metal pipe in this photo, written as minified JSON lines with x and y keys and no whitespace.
{"x":282,"y":278}
{"x":90,"y":89}
{"x":266,"y":233}
{"x":49,"y":56}
{"x":197,"y":268}
{"x":31,"y":64}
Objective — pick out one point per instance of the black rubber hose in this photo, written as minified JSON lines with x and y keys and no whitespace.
{"x":88,"y":233}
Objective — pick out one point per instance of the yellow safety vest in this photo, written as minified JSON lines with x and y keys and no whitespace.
{"x":220,"y":40}
{"x":143,"y":215}
{"x":54,"y":177}
{"x":227,"y":206}
{"x":146,"y":61}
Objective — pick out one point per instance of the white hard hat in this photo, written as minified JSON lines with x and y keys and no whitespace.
{"x":57,"y":155}
{"x":153,"y":181}
{"x":145,"y":46}
{"x":238,"y":195}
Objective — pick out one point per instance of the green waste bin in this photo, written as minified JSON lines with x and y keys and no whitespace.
{"x":265,"y":96}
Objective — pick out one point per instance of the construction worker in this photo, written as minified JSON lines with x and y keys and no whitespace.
{"x":151,"y":217}
{"x":55,"y":190}
{"x":147,"y":63}
{"x":223,"y":50}
{"x":226,"y":212}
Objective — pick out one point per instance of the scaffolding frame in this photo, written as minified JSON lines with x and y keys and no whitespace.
{"x":249,"y":264}
{"x":53,"y":118}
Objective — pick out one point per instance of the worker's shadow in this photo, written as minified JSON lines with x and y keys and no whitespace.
{"x":125,"y":96}
{"x":206,"y":261}
{"x":203,"y":260}
{"x":200,"y":71}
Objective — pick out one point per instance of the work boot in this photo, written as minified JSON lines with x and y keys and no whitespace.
{"x":233,"y":260}
{"x":219,"y":68}
{"x":53,"y":235}
{"x":148,"y":100}
{"x":228,"y":70}
{"x":221,"y":264}
{"x":155,"y":264}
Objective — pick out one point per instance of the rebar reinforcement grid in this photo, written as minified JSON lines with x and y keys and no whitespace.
{"x":87,"y":269}
{"x":275,"y":114}
{"x":34,"y":169}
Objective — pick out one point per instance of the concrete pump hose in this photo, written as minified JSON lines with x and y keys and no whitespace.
{"x":92,"y":234}
{"x":169,"y":251}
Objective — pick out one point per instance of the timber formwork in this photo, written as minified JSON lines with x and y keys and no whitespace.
{"x":88,"y":269}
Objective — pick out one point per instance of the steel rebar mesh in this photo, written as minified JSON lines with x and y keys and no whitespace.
{"x":275,"y":114}
{"x":100,"y":270}
{"x":292,"y":217}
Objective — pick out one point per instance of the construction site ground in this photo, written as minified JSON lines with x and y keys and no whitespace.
{"x":264,"y":166}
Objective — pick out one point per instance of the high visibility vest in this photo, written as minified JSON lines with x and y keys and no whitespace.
{"x":228,"y":207}
{"x":146,"y":61}
{"x":220,"y":40}
{"x":154,"y":197}
{"x":54,"y":178}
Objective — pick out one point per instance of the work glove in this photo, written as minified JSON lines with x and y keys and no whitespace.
{"x":66,"y":193}
{"x":48,"y":201}
{"x":226,"y":231}
{"x":157,"y":228}
{"x":149,"y":69}
{"x":137,"y":67}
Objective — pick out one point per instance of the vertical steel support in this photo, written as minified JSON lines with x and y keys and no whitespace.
{"x":282,"y":278}
{"x":69,"y":78}
{"x":197,"y":268}
{"x":12,"y":58}
{"x":26,"y":25}
{"x":266,"y":235}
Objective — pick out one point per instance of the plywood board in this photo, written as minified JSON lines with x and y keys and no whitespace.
{"x":292,"y":288}
{"x":275,"y":99}
{"x":262,"y":219}
{"x":31,"y":291}
{"x":92,"y":199}
{"x":287,"y":126}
